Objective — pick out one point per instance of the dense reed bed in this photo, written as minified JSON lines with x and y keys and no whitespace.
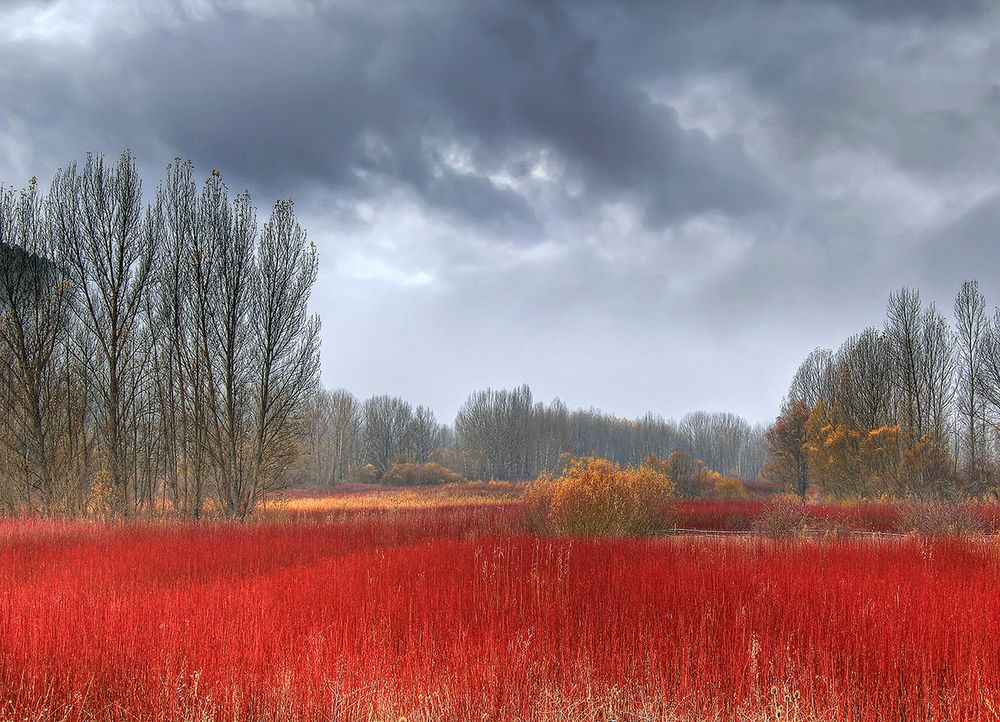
{"x":895,"y":517}
{"x":452,"y":613}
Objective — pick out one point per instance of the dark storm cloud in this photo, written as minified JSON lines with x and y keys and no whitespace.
{"x":935,"y":9}
{"x":633,"y":204}
{"x":338,"y":97}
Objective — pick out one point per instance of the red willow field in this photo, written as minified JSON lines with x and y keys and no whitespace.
{"x":456,"y":614}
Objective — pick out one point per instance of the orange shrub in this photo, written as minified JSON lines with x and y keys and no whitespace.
{"x":729,"y":488}
{"x":596,"y":497}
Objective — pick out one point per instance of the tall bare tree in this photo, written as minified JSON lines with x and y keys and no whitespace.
{"x":345,"y":428}
{"x":109,"y":247}
{"x":862,"y":376}
{"x":423,"y":435}
{"x":34,"y":297}
{"x":812,"y":380}
{"x":258,"y":343}
{"x":971,"y":331}
{"x":385,"y":423}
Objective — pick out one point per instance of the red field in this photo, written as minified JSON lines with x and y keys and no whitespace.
{"x":453,"y":613}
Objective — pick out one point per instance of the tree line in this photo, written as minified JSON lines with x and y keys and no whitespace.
{"x":910,"y":409}
{"x":157,"y":354}
{"x":506,"y":434}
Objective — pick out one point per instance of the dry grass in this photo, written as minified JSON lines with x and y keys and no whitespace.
{"x":373,"y":497}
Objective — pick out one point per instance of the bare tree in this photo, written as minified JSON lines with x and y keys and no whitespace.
{"x":812,"y":380}
{"x":423,"y":435}
{"x":109,"y":247}
{"x":494,"y":425}
{"x":988,"y":385}
{"x":863,"y":394}
{"x":720,"y":440}
{"x":753,"y":452}
{"x":550,"y":435}
{"x":345,"y":425}
{"x":332,"y":436}
{"x":971,"y":330}
{"x":938,"y":367}
{"x":385,"y":421}
{"x":259,"y":346}
{"x":903,"y":333}
{"x":287,"y":344}
{"x":34,"y":299}
{"x":923,"y":364}
{"x":175,"y":347}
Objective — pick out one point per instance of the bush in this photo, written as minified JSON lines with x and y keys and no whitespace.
{"x":431,"y":472}
{"x":941,"y":519}
{"x":366,"y":474}
{"x":498,"y":487}
{"x":596,"y":497}
{"x":784,"y":518}
{"x":730,"y":489}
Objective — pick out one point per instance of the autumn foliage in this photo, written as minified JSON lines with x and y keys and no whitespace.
{"x":594,"y":496}
{"x":845,"y":461}
{"x":821,"y":451}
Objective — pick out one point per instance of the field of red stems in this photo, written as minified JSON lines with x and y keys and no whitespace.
{"x":455,"y":613}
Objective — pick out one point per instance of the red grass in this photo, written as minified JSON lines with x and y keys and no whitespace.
{"x":452,"y":614}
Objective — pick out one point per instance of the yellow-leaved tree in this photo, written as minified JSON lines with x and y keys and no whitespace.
{"x":847,"y":462}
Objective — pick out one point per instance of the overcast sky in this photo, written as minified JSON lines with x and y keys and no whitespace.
{"x":634,"y":206}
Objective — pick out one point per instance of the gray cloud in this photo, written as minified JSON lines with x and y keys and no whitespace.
{"x":633,"y":205}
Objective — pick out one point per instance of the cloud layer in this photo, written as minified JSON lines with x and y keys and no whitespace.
{"x":635,"y":206}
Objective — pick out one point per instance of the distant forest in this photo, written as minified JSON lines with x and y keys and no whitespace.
{"x":505,"y":434}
